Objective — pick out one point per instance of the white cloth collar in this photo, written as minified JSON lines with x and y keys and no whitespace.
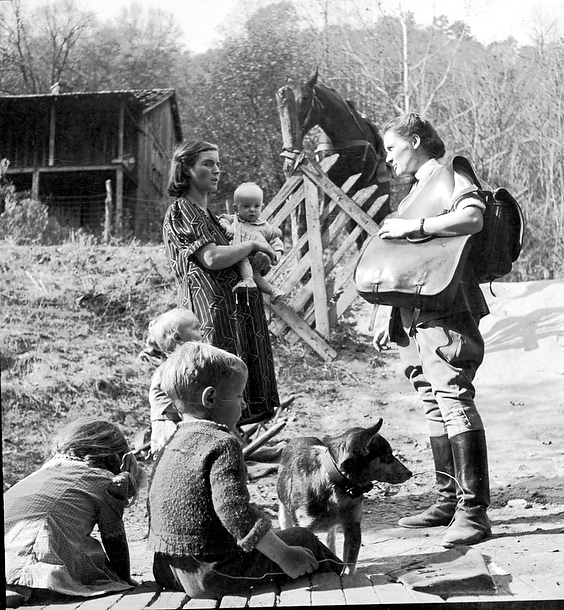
{"x":427,"y":170}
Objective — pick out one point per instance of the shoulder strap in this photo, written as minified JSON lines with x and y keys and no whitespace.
{"x":464,"y":164}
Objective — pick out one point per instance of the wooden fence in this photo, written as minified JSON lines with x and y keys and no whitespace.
{"x":317,"y":270}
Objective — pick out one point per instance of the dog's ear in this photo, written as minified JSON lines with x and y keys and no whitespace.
{"x":372,"y":432}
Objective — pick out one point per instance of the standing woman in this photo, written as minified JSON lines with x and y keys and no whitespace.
{"x":205,"y":268}
{"x":442,"y":356}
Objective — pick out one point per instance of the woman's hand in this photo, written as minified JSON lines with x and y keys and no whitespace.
{"x":381,"y":337}
{"x":261,"y":246}
{"x":263,"y":257}
{"x":297,"y":561}
{"x":395,"y":228}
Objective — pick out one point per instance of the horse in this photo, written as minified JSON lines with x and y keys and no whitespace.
{"x":354,"y":137}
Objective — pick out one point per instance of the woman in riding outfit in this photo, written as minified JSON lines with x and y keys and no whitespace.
{"x":441,"y":350}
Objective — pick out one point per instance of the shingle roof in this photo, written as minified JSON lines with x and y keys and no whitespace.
{"x":145,"y":98}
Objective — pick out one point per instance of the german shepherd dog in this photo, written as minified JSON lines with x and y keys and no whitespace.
{"x":321,"y":483}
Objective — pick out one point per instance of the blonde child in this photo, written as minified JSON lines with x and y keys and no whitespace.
{"x":49,"y":517}
{"x":166,"y":333}
{"x":208,"y":539}
{"x":247,"y":225}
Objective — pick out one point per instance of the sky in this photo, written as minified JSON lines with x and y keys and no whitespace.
{"x":203,"y":21}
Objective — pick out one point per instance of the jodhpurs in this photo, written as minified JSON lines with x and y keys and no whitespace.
{"x":441,"y":361}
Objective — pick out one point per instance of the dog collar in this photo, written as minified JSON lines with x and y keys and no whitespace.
{"x":341,"y":482}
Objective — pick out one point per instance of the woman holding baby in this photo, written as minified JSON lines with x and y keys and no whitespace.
{"x":205,"y":268}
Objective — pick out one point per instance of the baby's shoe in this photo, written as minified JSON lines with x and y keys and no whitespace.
{"x":244,"y":285}
{"x":277,"y":295}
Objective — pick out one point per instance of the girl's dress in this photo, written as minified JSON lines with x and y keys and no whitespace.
{"x":235,"y":323}
{"x":48,"y":520}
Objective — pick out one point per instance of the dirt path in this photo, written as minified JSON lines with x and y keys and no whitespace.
{"x":521,"y":398}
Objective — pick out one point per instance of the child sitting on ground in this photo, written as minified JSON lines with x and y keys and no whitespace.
{"x":166,"y":333}
{"x":247,"y":225}
{"x":208,"y":539}
{"x":49,"y":516}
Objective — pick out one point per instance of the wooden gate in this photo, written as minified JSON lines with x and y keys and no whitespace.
{"x":317,"y":270}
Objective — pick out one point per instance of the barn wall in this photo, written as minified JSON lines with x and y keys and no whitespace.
{"x":157,"y":141}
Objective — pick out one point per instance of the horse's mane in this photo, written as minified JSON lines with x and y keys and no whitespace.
{"x":375,"y":131}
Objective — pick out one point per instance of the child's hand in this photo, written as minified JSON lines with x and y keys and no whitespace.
{"x":297,"y":561}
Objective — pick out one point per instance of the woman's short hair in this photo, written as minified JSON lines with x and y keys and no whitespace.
{"x":411,"y":124}
{"x":184,"y":157}
{"x":194,"y":366}
{"x":163,"y":329}
{"x":93,"y":440}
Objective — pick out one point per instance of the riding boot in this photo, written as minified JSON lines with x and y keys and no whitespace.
{"x":442,"y":511}
{"x":471,"y":522}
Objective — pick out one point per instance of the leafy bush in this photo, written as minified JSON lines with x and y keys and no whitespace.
{"x":23,"y":219}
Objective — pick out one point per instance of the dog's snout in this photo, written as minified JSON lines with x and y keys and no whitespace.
{"x":398,"y":473}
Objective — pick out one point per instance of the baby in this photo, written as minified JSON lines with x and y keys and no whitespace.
{"x":166,"y":333}
{"x":246,"y":224}
{"x":208,"y":539}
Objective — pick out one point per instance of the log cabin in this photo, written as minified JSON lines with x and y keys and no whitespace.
{"x":64,"y":147}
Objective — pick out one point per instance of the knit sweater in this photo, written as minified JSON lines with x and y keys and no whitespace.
{"x":198,"y":500}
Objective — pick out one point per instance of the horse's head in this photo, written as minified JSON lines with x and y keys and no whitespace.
{"x":307,"y":103}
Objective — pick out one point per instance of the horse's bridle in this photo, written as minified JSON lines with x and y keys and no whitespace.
{"x":316,"y":104}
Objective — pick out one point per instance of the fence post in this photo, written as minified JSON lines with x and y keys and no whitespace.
{"x":108,"y":212}
{"x":291,"y":143}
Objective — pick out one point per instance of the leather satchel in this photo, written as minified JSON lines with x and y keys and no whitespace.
{"x":422,"y":274}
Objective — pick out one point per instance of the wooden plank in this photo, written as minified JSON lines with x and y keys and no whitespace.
{"x":108,"y":601}
{"x":296,"y":593}
{"x":326,"y":589}
{"x":547,"y":586}
{"x":358,"y":589}
{"x":289,"y":207}
{"x":169,"y":599}
{"x":522,"y":590}
{"x":201,"y":603}
{"x":345,"y":276}
{"x":390,"y":592}
{"x":421,"y":597}
{"x":136,"y":599}
{"x":266,"y":599}
{"x":72,"y":604}
{"x":345,"y":300}
{"x":287,"y":189}
{"x":316,"y":259}
{"x":312,"y":171}
{"x":317,"y":343}
{"x":233,"y":601}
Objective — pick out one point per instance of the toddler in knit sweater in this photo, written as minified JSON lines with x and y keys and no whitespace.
{"x":208,"y":539}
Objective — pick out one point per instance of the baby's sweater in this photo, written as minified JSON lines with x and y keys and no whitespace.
{"x":198,"y":500}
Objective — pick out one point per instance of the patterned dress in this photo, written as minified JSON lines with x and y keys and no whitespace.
{"x":48,"y":521}
{"x":235,"y":323}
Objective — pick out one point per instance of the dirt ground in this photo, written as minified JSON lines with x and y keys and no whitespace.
{"x":520,"y":393}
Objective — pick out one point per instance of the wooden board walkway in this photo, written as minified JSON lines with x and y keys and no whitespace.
{"x":514,"y":593}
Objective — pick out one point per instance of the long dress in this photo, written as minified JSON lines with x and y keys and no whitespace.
{"x":235,"y":323}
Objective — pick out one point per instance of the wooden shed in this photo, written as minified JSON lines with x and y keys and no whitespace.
{"x":64,"y":147}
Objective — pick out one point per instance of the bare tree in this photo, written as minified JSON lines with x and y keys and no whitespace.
{"x":38,"y":45}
